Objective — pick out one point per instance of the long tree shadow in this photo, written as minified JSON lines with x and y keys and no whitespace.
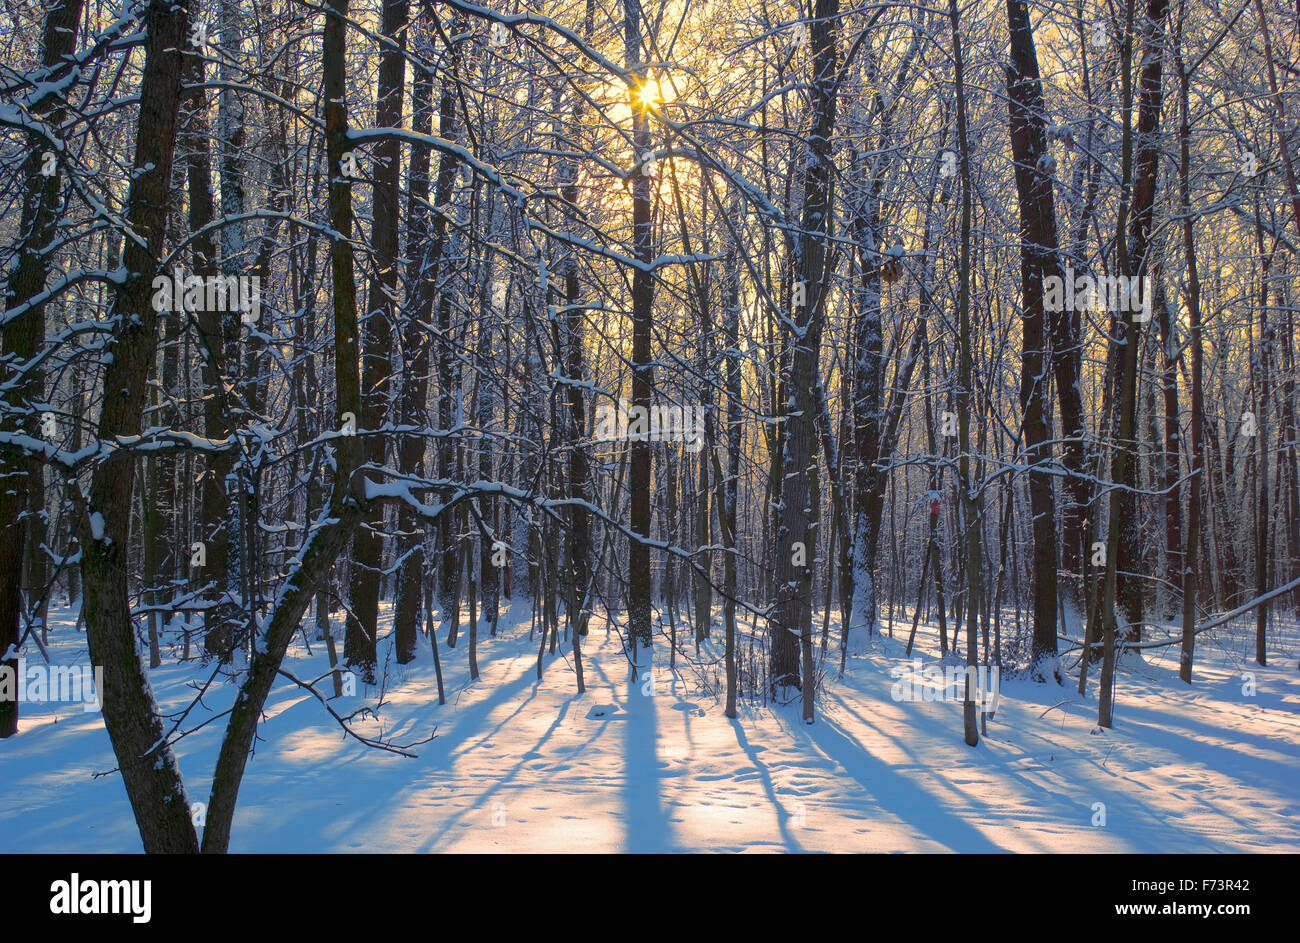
{"x":649,"y":829}
{"x":503,"y":781}
{"x":893,"y":792}
{"x":1196,"y":740}
{"x":459,"y":731}
{"x":1144,"y":829}
{"x":783,"y":816}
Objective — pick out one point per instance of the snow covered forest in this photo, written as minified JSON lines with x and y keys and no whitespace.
{"x":387,"y":384}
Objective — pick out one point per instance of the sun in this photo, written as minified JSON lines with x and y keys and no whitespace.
{"x":652,"y":94}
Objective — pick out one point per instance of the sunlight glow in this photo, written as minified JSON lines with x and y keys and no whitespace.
{"x":652,"y":94}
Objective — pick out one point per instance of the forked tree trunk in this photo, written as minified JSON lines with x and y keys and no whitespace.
{"x":347,"y":505}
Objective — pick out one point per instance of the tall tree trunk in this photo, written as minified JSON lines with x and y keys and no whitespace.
{"x":212,"y":328}
{"x":361,"y":634}
{"x":872,"y":439}
{"x":20,"y":340}
{"x":974,"y":567}
{"x":135,"y":727}
{"x":1261,"y":403}
{"x":796,"y":541}
{"x":235,"y":260}
{"x":639,"y":468}
{"x":578,"y":607}
{"x":347,"y":505}
{"x":1171,"y":461}
{"x":1038,"y":261}
{"x":731,"y":483}
{"x":423,"y":274}
{"x":1133,"y":240}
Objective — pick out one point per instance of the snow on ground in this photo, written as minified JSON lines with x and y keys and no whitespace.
{"x":522,"y":765}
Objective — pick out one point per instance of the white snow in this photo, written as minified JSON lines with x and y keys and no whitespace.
{"x":522,"y":765}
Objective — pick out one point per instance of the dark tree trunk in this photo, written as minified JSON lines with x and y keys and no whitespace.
{"x":213,"y":329}
{"x":1038,"y":261}
{"x":20,"y":340}
{"x":359,"y":641}
{"x":423,"y":273}
{"x":1133,"y":262}
{"x":639,"y":467}
{"x":796,"y":541}
{"x":145,"y":757}
{"x":974,"y":568}
{"x":346,"y":507}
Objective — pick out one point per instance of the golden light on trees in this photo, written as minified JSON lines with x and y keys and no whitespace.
{"x":653,"y":94}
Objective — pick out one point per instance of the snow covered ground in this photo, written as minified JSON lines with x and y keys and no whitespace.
{"x":522,"y":765}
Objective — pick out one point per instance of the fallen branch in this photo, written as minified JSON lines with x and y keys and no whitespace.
{"x":1212,"y":624}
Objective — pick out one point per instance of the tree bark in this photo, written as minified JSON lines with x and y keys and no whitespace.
{"x":361,"y":634}
{"x":639,"y":468}
{"x":20,"y":339}
{"x":1038,"y":261}
{"x":788,"y":621}
{"x":145,"y":757}
{"x":1133,"y":243}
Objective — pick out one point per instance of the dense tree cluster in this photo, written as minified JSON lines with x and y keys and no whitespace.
{"x":706,"y":316}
